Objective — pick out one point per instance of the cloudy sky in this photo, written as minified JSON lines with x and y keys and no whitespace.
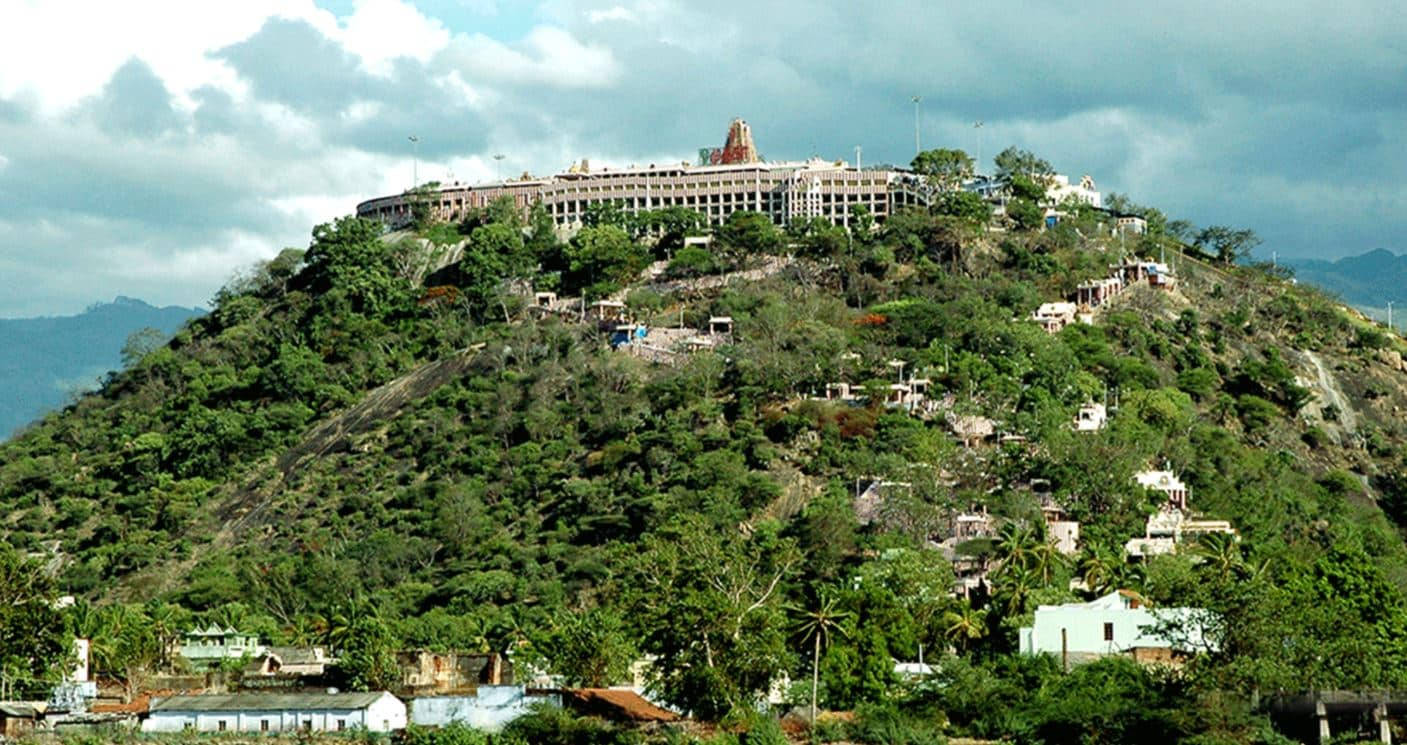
{"x":151,"y":147}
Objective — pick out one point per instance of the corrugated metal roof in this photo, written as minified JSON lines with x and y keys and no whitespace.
{"x":19,"y":711}
{"x":266,"y":701}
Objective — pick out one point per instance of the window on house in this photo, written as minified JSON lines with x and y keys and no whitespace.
{"x":263,"y":725}
{"x":341,"y":724}
{"x":220,"y":725}
{"x":307,"y":725}
{"x":1108,"y":632}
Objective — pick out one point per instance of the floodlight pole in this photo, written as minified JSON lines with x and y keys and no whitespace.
{"x":415,"y":161}
{"x":917,"y":148}
{"x":977,"y":125}
{"x":498,"y":166}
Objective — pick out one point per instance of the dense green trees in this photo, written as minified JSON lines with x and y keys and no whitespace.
{"x":33,"y":646}
{"x":944,"y":168}
{"x":583,"y":508}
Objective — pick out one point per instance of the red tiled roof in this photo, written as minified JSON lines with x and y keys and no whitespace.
{"x":610,"y":703}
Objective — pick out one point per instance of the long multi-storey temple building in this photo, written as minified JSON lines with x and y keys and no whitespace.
{"x":724,"y":181}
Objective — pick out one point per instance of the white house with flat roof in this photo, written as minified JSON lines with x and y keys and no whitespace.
{"x":1091,"y":417}
{"x":277,"y":712}
{"x":1166,"y":482}
{"x":1117,"y":624}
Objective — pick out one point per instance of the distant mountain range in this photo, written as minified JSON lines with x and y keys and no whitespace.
{"x":45,"y":361}
{"x":1368,"y":280}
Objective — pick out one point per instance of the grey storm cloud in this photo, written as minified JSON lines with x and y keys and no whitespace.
{"x":134,"y":103}
{"x":1285,"y":118}
{"x":292,"y":63}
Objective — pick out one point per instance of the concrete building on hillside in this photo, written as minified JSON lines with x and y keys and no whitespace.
{"x":1059,"y":190}
{"x":290,"y":662}
{"x":1166,"y":482}
{"x":1117,"y":624}
{"x":271,"y":713}
{"x":427,"y":672}
{"x":205,"y":648}
{"x":1055,"y":316}
{"x":1091,"y":417}
{"x":1170,"y":528}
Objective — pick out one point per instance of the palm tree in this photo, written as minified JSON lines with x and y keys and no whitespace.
{"x":1131,"y":576}
{"x":965,"y":624}
{"x":1044,"y":558}
{"x":1014,"y":544}
{"x":1099,"y":570}
{"x":165,"y":624}
{"x":1014,"y":585}
{"x":817,"y":625}
{"x":1221,"y":552}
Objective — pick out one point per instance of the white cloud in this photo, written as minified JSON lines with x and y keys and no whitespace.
{"x":614,"y":13}
{"x":380,"y":31}
{"x":548,"y":56}
{"x":65,"y":50}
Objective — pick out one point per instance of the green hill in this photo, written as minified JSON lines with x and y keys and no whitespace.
{"x":49,"y":360}
{"x":385,"y":446}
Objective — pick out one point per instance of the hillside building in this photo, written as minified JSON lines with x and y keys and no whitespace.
{"x":1059,"y":190}
{"x":1169,"y":528}
{"x":205,"y":648}
{"x":1091,"y":418}
{"x":1117,"y":624}
{"x":1166,"y":482}
{"x":1061,"y":531}
{"x":1054,"y":316}
{"x":290,"y":662}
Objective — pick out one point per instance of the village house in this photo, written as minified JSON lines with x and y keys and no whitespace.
{"x":282,"y":712}
{"x":206,"y":648}
{"x":1166,"y":482}
{"x":1130,"y":224}
{"x":1055,"y":316}
{"x":424,"y":672}
{"x":1091,"y":418}
{"x":970,"y":429}
{"x":607,"y":312}
{"x":1059,"y":190}
{"x":1169,"y":528}
{"x":290,"y":662}
{"x":18,"y":719}
{"x":1119,"y":623}
{"x":1097,"y":292}
{"x":1061,"y":531}
{"x":1155,"y":274}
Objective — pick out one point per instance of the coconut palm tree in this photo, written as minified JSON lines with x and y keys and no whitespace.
{"x":817,"y":624}
{"x":1014,"y":544}
{"x":1014,"y":584}
{"x":1221,"y":552}
{"x":964,"y":624}
{"x":1099,"y":569}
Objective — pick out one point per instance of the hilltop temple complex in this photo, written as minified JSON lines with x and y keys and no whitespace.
{"x":724,"y":180}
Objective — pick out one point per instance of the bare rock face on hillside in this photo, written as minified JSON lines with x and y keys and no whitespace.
{"x":1393,"y":359}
